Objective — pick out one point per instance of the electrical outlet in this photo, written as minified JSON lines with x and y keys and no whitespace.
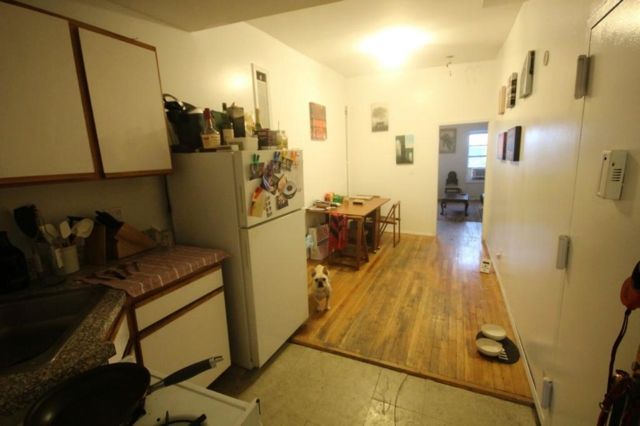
{"x":116,"y":212}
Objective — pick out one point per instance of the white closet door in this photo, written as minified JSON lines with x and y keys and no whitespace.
{"x":126,"y":99}
{"x":43,"y":132}
{"x":604,"y":232}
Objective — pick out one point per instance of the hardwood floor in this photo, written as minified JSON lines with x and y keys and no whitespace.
{"x":417,"y":308}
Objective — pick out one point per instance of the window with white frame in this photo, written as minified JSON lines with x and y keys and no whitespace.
{"x":477,"y":156}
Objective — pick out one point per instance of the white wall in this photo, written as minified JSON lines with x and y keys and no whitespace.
{"x":419,"y":102}
{"x":530,"y":203}
{"x":206,"y":68}
{"x":457,"y":161}
{"x":142,"y":201}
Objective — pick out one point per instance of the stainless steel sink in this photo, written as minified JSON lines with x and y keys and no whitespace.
{"x":33,"y":328}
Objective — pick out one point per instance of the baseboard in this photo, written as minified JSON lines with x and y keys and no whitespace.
{"x":534,"y":394}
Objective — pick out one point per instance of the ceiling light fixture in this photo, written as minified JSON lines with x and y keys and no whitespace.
{"x":449,"y":62}
{"x":393,"y":46}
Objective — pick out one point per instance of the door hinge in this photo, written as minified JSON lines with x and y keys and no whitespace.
{"x":547,"y":392}
{"x":582,"y":76}
{"x":562,"y":258}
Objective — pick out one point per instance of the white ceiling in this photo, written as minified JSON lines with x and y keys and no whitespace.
{"x":329,"y":31}
{"x":468,"y":30}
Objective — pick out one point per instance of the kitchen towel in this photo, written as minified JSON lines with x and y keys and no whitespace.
{"x":337,"y":232}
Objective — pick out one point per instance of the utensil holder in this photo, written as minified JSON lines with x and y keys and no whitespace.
{"x":70,"y":263}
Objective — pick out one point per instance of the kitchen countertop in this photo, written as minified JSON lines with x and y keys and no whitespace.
{"x":88,"y":346}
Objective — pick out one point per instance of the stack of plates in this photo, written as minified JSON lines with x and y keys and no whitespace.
{"x":493,"y":331}
{"x":489,"y":347}
{"x":490,"y":344}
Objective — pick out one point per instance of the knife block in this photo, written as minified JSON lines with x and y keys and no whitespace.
{"x":129,"y":241}
{"x":95,"y":247}
{"x":104,"y":244}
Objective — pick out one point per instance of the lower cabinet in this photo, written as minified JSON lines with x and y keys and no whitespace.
{"x":120,"y":338}
{"x":182,"y":325}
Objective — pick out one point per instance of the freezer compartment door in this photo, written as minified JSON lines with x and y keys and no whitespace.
{"x":269,"y":184}
{"x":275,"y":262}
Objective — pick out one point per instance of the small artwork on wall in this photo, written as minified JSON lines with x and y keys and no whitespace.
{"x":502,"y":141}
{"x":502,"y":95}
{"x":512,"y":90}
{"x":404,"y":149}
{"x":379,"y":117}
{"x":513,"y":143}
{"x":448,"y":140}
{"x":318,"y":120}
{"x":526,"y":77}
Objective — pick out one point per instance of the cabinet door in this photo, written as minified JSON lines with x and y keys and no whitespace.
{"x":155,"y":309}
{"x":196,"y":335}
{"x":44,"y":133}
{"x":126,"y":99}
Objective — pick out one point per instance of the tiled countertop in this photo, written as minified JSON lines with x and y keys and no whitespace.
{"x":159,"y":268}
{"x":88,"y":347}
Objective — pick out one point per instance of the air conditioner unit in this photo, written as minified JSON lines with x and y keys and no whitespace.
{"x":477,"y":174}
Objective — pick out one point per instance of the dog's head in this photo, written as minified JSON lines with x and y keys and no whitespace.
{"x":320,"y":276}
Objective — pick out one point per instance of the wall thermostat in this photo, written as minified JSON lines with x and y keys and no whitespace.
{"x":612,"y":170}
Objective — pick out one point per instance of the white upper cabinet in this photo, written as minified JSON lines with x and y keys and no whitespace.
{"x":43,"y":132}
{"x":126,"y":99}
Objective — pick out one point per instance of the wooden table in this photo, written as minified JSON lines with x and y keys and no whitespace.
{"x":454,"y":198}
{"x":359,"y":212}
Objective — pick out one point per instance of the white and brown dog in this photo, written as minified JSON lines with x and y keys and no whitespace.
{"x":321,"y":287}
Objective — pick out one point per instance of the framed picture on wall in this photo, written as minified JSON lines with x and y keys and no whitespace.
{"x":512,"y":90}
{"x":526,"y":84}
{"x":404,"y":149}
{"x":318,"y":120}
{"x":379,"y":117}
{"x":448,"y":140}
{"x":513,"y":143}
{"x":502,"y":99}
{"x":261,"y":96}
{"x":501,"y":148}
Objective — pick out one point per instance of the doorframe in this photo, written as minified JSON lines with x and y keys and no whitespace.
{"x":461,"y":122}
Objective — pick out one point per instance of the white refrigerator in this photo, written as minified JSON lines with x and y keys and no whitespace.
{"x":249,"y":203}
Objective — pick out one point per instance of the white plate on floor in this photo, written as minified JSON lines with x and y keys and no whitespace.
{"x":493,"y":331}
{"x":489,"y":347}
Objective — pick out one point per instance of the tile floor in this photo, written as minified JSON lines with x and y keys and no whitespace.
{"x":303,"y":386}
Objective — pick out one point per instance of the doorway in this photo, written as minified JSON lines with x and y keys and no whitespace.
{"x":462,"y":161}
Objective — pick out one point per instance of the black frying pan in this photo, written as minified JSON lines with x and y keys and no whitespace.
{"x":109,"y":395}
